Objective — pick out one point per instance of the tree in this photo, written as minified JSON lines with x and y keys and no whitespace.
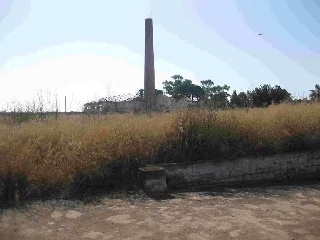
{"x":219,"y":100}
{"x":159,"y":92}
{"x":182,"y":88}
{"x":177,"y":77}
{"x":244,"y":100}
{"x":171,"y":86}
{"x":208,"y":88}
{"x":266,"y":95}
{"x":261,"y":96}
{"x":315,"y":94}
{"x":196,"y":91}
{"x":140,"y":93}
{"x":279,"y":95}
{"x":215,"y":95}
{"x":234,"y":100}
{"x":239,"y":100}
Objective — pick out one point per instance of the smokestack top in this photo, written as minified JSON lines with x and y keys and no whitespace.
{"x":149,"y":75}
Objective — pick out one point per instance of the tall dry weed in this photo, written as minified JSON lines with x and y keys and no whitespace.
{"x":55,"y":150}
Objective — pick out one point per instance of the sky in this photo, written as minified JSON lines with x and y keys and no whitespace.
{"x":86,"y":50}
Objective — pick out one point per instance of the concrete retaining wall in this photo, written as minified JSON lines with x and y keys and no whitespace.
{"x":300,"y":165}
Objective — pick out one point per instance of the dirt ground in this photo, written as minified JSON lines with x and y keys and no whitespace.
{"x":270,"y":212}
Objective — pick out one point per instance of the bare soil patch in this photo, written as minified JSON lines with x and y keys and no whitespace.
{"x":271,"y":212}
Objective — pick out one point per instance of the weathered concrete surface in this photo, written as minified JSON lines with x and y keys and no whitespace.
{"x":283,"y":212}
{"x":152,"y":179}
{"x":299,"y":165}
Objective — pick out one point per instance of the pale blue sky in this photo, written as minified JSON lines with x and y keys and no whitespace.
{"x":91,"y":49}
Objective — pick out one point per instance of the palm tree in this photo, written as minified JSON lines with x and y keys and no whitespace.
{"x":315,"y":94}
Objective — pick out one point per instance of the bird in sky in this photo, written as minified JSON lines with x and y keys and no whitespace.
{"x":260,"y":34}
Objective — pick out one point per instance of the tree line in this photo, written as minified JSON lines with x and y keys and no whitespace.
{"x":218,"y":96}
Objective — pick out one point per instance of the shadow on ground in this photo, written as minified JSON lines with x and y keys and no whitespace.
{"x":266,"y":189}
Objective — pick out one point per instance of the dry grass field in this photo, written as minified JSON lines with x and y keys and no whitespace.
{"x":54,"y":150}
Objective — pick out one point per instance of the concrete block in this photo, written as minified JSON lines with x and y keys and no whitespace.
{"x":152,"y":179}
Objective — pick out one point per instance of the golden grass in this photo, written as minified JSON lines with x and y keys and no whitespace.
{"x":54,"y":150}
{"x":275,"y":122}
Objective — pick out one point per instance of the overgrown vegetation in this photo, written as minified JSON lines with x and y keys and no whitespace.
{"x":70,"y":155}
{"x":216,"y":96}
{"x":228,"y":134}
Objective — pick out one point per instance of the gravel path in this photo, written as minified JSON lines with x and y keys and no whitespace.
{"x":274,"y":212}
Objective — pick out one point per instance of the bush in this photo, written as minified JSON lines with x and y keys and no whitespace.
{"x":115,"y":175}
{"x":14,"y":189}
{"x":204,"y":137}
{"x":300,"y":142}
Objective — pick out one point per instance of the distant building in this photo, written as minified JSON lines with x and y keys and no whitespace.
{"x":162,"y":104}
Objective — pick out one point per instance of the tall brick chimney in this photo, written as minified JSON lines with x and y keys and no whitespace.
{"x":149,"y":75}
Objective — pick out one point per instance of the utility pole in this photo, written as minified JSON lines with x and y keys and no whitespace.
{"x":65,"y":104}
